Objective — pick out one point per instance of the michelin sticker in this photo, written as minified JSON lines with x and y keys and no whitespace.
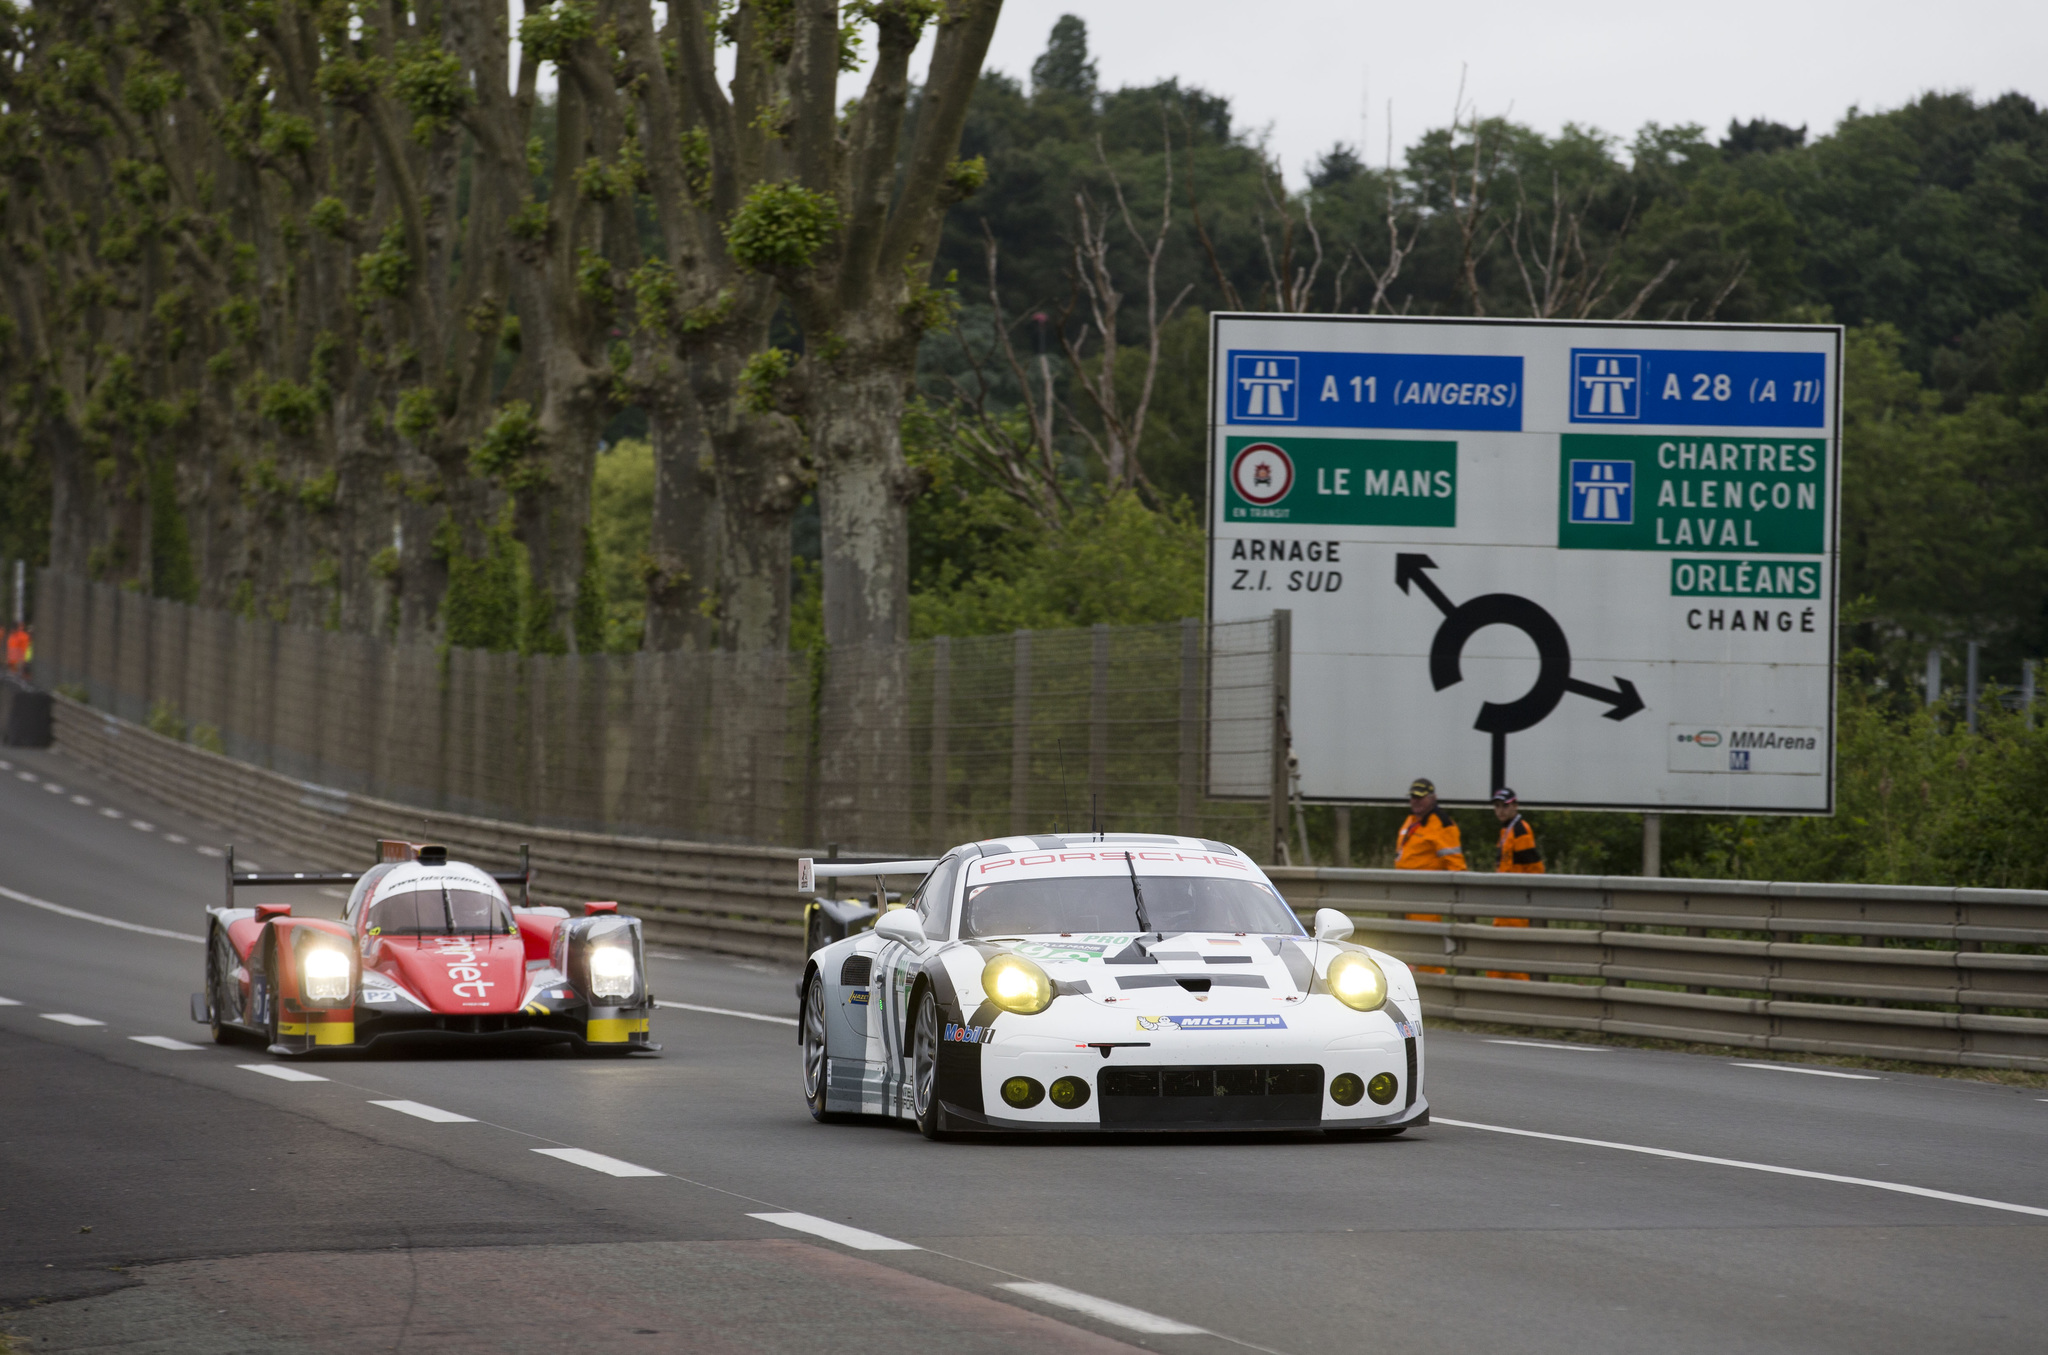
{"x":1156,"y":1023}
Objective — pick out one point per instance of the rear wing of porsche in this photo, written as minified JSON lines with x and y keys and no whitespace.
{"x":388,"y":849}
{"x":810,"y":871}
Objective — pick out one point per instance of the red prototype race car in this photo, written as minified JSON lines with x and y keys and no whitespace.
{"x":427,"y":949}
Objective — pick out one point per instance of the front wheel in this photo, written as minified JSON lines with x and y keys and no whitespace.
{"x":817,"y":1067}
{"x":924,"y":1067}
{"x":223,"y":994}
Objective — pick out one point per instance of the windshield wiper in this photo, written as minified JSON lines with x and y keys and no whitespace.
{"x":1138,"y":893}
{"x":447,"y":913}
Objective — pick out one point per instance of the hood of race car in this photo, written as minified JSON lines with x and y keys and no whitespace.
{"x":466,"y":975}
{"x":1194,"y":971}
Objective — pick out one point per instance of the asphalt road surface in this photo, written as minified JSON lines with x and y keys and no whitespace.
{"x":162,"y":1194}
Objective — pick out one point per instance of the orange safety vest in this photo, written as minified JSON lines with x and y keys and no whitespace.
{"x":1431,"y":842}
{"x":18,"y":649}
{"x":1518,"y":853}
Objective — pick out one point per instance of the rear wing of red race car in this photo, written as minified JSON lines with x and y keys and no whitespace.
{"x":388,"y":849}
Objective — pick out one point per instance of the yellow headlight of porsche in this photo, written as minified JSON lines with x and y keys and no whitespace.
{"x":1357,"y":981}
{"x":1016,"y":985}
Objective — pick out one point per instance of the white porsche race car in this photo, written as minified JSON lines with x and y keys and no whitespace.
{"x":1099,"y":982}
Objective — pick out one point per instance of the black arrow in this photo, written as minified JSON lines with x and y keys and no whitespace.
{"x":1626,"y":701}
{"x":1408,"y":569}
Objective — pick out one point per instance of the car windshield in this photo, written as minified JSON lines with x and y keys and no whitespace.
{"x":1103,"y":903}
{"x":438,"y":910}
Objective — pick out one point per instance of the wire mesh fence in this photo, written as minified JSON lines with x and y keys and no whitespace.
{"x":1164,"y":728}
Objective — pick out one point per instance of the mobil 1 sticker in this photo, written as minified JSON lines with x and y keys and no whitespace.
{"x":1776,"y":750}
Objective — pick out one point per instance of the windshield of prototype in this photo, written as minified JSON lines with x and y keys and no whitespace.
{"x":1107,"y":903}
{"x":438,"y":910}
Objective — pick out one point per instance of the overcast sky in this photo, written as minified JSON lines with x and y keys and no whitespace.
{"x":1305,"y":70}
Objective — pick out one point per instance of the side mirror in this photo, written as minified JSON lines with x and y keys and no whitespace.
{"x":1331,"y":925}
{"x":901,"y":925}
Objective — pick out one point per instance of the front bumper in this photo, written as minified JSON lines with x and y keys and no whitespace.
{"x":603,"y":1028}
{"x":1191,"y":1072}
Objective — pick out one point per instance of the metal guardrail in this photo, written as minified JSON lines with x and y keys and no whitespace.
{"x":1953,"y":976}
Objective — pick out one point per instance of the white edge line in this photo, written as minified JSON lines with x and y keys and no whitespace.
{"x":1120,"y":1314}
{"x":845,"y":1234}
{"x":727,"y":1011}
{"x":1574,"y":1048}
{"x":1810,"y":1072}
{"x":598,"y":1162}
{"x":1893,"y":1186}
{"x":58,"y":908}
{"x":419,"y":1111}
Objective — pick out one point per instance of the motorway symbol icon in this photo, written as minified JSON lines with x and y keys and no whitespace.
{"x":1553,"y":659}
{"x":1603,"y":492}
{"x":1607,"y":386}
{"x":1265,"y":388}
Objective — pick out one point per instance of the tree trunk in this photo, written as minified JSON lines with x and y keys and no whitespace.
{"x":688,"y":526}
{"x":863,"y":503}
{"x":759,"y":487}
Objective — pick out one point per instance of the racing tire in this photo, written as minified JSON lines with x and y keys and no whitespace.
{"x":811,"y":1038}
{"x":220,"y":987}
{"x":924,"y":1067}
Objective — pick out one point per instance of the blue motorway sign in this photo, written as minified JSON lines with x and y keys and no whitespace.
{"x":1698,"y":389}
{"x":1376,"y":390}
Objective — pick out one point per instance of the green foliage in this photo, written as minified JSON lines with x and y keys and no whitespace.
{"x":551,"y":33}
{"x":291,"y":406}
{"x":760,"y":379}
{"x":418,"y":415}
{"x":696,"y":158}
{"x":481,"y":609}
{"x":654,"y":294}
{"x":621,"y":531}
{"x":387,"y":270}
{"x":781,"y":227}
{"x":330,"y":218}
{"x":965,"y":178}
{"x":429,"y":81}
{"x":164,"y":720}
{"x":590,"y":614}
{"x":171,"y":573}
{"x":321,"y":494}
{"x":509,"y":449}
{"x":594,"y":280}
{"x":349,"y":81}
{"x":530,"y":222}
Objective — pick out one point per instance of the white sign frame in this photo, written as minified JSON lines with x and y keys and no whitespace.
{"x":1523,"y":506}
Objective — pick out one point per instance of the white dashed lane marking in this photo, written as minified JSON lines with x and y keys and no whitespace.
{"x":1574,"y":1048}
{"x":26,"y":776}
{"x":1895,"y":1186}
{"x":141,"y":826}
{"x":860,"y":1239}
{"x":53,"y":788}
{"x":282,"y":1072}
{"x":110,"y":812}
{"x":81,"y":800}
{"x":208,"y":851}
{"x":1810,"y":1072}
{"x":727,"y":1011}
{"x":163,"y":1042}
{"x":1103,"y":1310}
{"x":173,"y":837}
{"x":420,"y":1112}
{"x":598,"y":1162}
{"x":69,"y":1019}
{"x":9,"y":1002}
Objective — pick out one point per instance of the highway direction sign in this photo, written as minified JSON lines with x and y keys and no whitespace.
{"x":1592,"y":561}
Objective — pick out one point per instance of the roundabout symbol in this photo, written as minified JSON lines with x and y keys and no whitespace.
{"x":1553,"y":659}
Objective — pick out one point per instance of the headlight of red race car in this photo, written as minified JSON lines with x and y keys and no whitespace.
{"x":612,"y":970}
{"x":324,"y":972}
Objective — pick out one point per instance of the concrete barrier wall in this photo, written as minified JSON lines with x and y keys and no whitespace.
{"x":1953,"y":976}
